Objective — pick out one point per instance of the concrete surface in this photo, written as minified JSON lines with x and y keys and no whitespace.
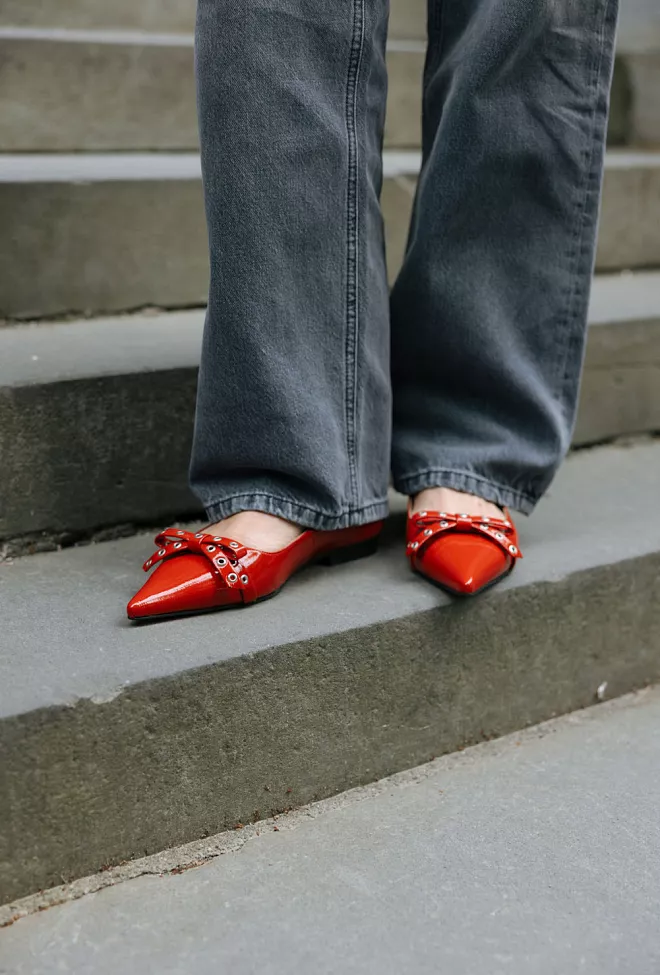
{"x":644,"y":81}
{"x":88,"y":406}
{"x":620,"y":392}
{"x":118,"y":741}
{"x":639,"y":28}
{"x":538,"y":853}
{"x":98,"y":91}
{"x":103,"y":233}
{"x":630,"y":224}
{"x":407,"y":17}
{"x":96,"y":422}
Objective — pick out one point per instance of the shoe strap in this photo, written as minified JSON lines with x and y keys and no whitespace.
{"x":223,"y":554}
{"x":428,"y":525}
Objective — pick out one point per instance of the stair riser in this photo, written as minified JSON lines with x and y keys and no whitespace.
{"x":407,"y":17}
{"x":114,"y":449}
{"x":639,"y":19}
{"x":102,"y":451}
{"x":174,"y":759}
{"x":104,"y":246}
{"x":59,"y":96}
{"x":41,"y":108}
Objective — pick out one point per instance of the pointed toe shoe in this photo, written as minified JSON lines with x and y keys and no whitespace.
{"x":463,"y":554}
{"x":199,"y":572}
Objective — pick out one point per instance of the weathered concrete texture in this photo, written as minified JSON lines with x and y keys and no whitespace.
{"x":630,"y":218}
{"x":407,"y":17}
{"x":148,"y":15}
{"x":539,"y":853}
{"x":59,"y":94}
{"x":96,"y":416}
{"x":118,"y":741}
{"x":106,"y":233}
{"x":620,"y":392}
{"x":644,"y":74}
{"x":102,"y":244}
{"x":67,"y":91}
{"x":621,"y":106}
{"x":96,"y":422}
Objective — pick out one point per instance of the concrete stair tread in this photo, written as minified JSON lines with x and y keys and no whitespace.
{"x":158,"y":341}
{"x":127,"y":230}
{"x":407,"y":17}
{"x":597,"y":513}
{"x":429,"y":871}
{"x":88,"y":403}
{"x":119,"y":741}
{"x":109,"y":166}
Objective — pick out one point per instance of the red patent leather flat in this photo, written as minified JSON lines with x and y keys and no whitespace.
{"x":463,"y":554}
{"x":198,"y":573}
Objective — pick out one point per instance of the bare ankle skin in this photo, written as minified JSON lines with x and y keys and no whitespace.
{"x":258,"y":530}
{"x":454,"y":502}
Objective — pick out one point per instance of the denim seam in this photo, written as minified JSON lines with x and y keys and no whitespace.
{"x":514,"y":492}
{"x":350,"y":510}
{"x":352,"y":245}
{"x":577,"y":280}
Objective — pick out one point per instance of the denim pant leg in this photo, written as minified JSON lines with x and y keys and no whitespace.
{"x":294,"y":402}
{"x":489,"y":312}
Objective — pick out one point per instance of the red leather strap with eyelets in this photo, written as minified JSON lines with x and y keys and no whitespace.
{"x":223,"y":554}
{"x":430,"y":524}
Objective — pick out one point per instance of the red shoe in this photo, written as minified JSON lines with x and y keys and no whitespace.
{"x":201,"y":572}
{"x":463,"y":554}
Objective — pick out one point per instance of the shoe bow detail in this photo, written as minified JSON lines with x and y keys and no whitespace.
{"x":428,"y":525}
{"x":223,"y":554}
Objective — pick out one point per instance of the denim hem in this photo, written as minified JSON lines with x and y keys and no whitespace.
{"x":294,"y":511}
{"x":470,"y":483}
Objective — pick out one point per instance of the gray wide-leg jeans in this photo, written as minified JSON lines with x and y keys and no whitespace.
{"x":315,"y":382}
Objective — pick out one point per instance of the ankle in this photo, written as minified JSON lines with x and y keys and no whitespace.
{"x":256,"y":529}
{"x":454,"y":502}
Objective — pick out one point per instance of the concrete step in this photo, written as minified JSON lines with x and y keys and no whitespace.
{"x":485,"y":855}
{"x":407,"y":17}
{"x":638,"y":80}
{"x":96,"y":416}
{"x":67,"y":90}
{"x":118,"y":741}
{"x":103,"y":233}
{"x":109,"y":90}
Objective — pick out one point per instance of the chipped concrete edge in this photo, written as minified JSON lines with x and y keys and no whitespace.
{"x":190,"y":856}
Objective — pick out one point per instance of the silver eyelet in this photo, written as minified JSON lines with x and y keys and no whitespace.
{"x":221,"y":561}
{"x":210,"y":548}
{"x":232,"y":577}
{"x":217,"y":538}
{"x":421,"y":514}
{"x":181,"y":533}
{"x":415,"y":545}
{"x":428,"y":531}
{"x":443,"y":514}
{"x":161,"y":551}
{"x":149,"y":564}
{"x":178,"y":544}
{"x":199,"y":534}
{"x":485,"y":519}
{"x":244,"y":579}
{"x":444,"y":524}
{"x":513,"y":549}
{"x":499,"y":536}
{"x":508,"y":524}
{"x":234,"y":544}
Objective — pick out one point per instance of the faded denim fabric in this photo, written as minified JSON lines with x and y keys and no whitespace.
{"x":300,"y":412}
